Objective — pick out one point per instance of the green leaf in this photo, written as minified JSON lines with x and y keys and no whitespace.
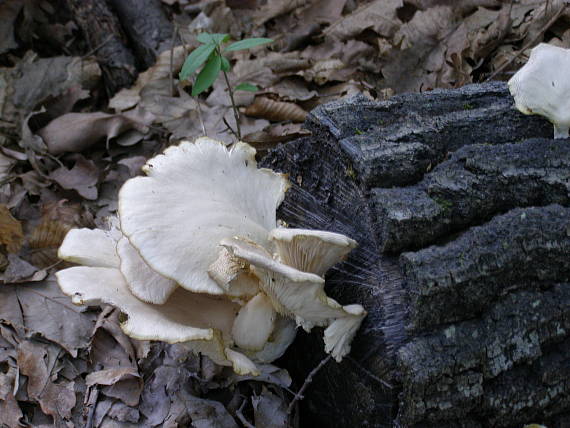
{"x":216,"y":38}
{"x":248,"y":43}
{"x":225,"y":64}
{"x":246,"y":87}
{"x":195,"y":60}
{"x":208,"y":75}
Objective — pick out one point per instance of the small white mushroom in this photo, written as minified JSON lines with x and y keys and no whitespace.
{"x":312,"y":251}
{"x":195,"y":195}
{"x":254,"y":323}
{"x":542,"y":86}
{"x":301,"y":295}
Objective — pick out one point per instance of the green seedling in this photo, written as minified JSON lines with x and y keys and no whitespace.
{"x":210,"y":56}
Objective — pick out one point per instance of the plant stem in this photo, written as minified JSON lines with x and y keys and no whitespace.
{"x":231,"y":92}
{"x":236,"y":112}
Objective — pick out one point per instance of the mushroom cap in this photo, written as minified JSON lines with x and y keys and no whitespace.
{"x":195,"y":195}
{"x":254,"y":323}
{"x":301,"y":295}
{"x":184,"y":317}
{"x":542,"y":86}
{"x":146,"y":284}
{"x":312,"y":251}
{"x":283,"y":334}
{"x":91,"y":247}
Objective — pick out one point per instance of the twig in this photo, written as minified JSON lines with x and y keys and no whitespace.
{"x":231,"y":129}
{"x":368,"y":373}
{"x":528,"y":45}
{"x":241,"y":417}
{"x":174,"y":34}
{"x":99,"y":46}
{"x":234,"y":108}
{"x":308,"y":380}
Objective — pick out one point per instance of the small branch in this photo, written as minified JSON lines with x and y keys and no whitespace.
{"x":241,"y":417}
{"x":231,"y":129}
{"x":308,"y":380}
{"x":234,"y":108}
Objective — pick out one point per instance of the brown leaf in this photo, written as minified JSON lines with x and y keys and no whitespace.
{"x":82,"y":178}
{"x":275,"y":8}
{"x":123,"y":383}
{"x":379,"y":16}
{"x":56,"y":399}
{"x":160,"y":71}
{"x":74,"y":132}
{"x":42,"y":309}
{"x":41,"y":79}
{"x":19,"y":270}
{"x":269,"y":410}
{"x":272,"y":135}
{"x":57,"y":219}
{"x":276,"y":110}
{"x":10,"y":413}
{"x":11,"y":234}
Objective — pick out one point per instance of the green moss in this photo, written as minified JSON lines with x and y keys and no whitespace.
{"x":444,"y":204}
{"x":468,"y":106}
{"x":350,"y":172}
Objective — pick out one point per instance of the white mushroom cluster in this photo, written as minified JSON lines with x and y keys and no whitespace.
{"x":196,"y":257}
{"x":542,"y":86}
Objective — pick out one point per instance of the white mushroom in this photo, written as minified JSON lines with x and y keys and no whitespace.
{"x":193,"y":261}
{"x":312,"y":251}
{"x":201,"y":321}
{"x":301,"y":295}
{"x":542,"y":86}
{"x":195,"y":195}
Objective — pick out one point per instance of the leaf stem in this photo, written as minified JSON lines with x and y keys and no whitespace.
{"x":231,"y":92}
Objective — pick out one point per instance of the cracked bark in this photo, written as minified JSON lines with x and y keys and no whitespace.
{"x":461,"y":206}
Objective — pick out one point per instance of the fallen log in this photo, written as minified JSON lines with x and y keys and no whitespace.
{"x":461,"y":206}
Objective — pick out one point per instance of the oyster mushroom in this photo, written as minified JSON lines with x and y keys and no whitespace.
{"x":195,"y":195}
{"x":198,"y":260}
{"x":300,"y":295}
{"x":542,"y":86}
{"x":202,"y":322}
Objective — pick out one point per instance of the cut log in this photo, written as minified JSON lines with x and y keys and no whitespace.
{"x":461,"y":206}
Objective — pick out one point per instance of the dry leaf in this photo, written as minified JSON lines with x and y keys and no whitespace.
{"x":56,"y":399}
{"x":74,"y":132}
{"x":275,"y":110}
{"x":123,"y":383}
{"x":275,"y":8}
{"x":57,"y":219}
{"x":42,"y":309}
{"x":380,"y":16}
{"x":19,"y":270}
{"x":128,"y":98}
{"x":269,"y":410}
{"x":11,"y":234}
{"x":82,"y":178}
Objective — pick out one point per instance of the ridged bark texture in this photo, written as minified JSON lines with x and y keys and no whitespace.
{"x":461,"y":206}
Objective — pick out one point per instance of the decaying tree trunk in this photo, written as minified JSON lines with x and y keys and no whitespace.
{"x":461,"y":206}
{"x":125,"y":35}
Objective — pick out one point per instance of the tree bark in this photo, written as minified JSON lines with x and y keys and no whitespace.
{"x":461,"y":206}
